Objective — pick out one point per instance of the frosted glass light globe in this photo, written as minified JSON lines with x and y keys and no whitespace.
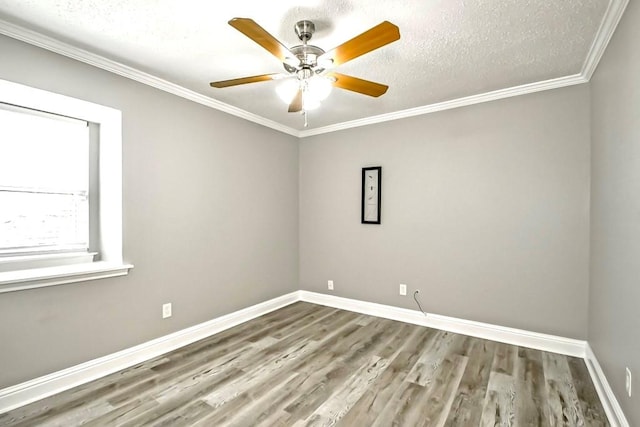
{"x":319,"y":87}
{"x":287,"y":90}
{"x":315,"y":90}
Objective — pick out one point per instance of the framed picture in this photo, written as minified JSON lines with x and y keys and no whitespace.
{"x":371,"y":195}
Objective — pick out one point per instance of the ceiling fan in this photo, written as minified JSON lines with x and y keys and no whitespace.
{"x":308,"y":67}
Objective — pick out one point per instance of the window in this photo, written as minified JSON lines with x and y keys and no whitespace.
{"x":44,"y":183}
{"x":60,"y":189}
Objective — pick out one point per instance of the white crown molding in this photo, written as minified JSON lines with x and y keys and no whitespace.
{"x":519,"y":337}
{"x":65,"y":49}
{"x":605,"y":393}
{"x":609,"y":23}
{"x":608,"y":26}
{"x":39,"y":388}
{"x":454,"y":103}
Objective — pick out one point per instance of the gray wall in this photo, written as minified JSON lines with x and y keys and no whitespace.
{"x":210,"y":222}
{"x":614,"y":312}
{"x":485,"y":210}
{"x":486,"y":203}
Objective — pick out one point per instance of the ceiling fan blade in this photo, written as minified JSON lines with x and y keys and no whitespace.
{"x":296,"y":104}
{"x":378,"y":36}
{"x":255,"y":32}
{"x":355,"y":84}
{"x":244,"y":80}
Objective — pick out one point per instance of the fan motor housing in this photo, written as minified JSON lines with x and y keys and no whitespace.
{"x":307,"y":54}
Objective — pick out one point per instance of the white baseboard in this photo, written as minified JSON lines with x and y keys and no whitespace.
{"x":605,"y":393}
{"x":519,"y":337}
{"x":39,"y":388}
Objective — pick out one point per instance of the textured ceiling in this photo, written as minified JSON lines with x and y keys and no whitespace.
{"x":448,"y":49}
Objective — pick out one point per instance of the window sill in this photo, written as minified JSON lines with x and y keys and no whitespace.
{"x":20,"y":280}
{"x":38,"y":261}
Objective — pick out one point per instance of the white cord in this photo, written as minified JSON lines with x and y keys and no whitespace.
{"x":415,"y":297}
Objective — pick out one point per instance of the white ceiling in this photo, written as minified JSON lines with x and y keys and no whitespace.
{"x":448,"y":50}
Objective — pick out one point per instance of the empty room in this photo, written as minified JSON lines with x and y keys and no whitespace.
{"x":341,"y":212}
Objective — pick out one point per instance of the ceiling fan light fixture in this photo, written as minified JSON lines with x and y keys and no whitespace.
{"x":306,"y":85}
{"x":316,"y":89}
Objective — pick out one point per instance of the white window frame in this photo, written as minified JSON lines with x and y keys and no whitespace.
{"x":110,"y":191}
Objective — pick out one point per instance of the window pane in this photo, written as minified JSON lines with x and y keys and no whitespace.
{"x":44,"y":182}
{"x":44,"y":221}
{"x":37,"y":151}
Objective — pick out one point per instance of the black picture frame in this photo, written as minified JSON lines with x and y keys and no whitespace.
{"x":371,"y":206}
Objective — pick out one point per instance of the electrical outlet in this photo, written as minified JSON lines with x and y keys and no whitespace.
{"x":166,"y":310}
{"x":330,"y":285}
{"x":627,"y":381}
{"x":403,"y":289}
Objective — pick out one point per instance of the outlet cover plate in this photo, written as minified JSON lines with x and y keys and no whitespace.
{"x":403,"y":289}
{"x":166,"y":310}
{"x":330,"y":285}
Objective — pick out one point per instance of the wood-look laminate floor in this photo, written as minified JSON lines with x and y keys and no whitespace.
{"x":309,"y":365}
